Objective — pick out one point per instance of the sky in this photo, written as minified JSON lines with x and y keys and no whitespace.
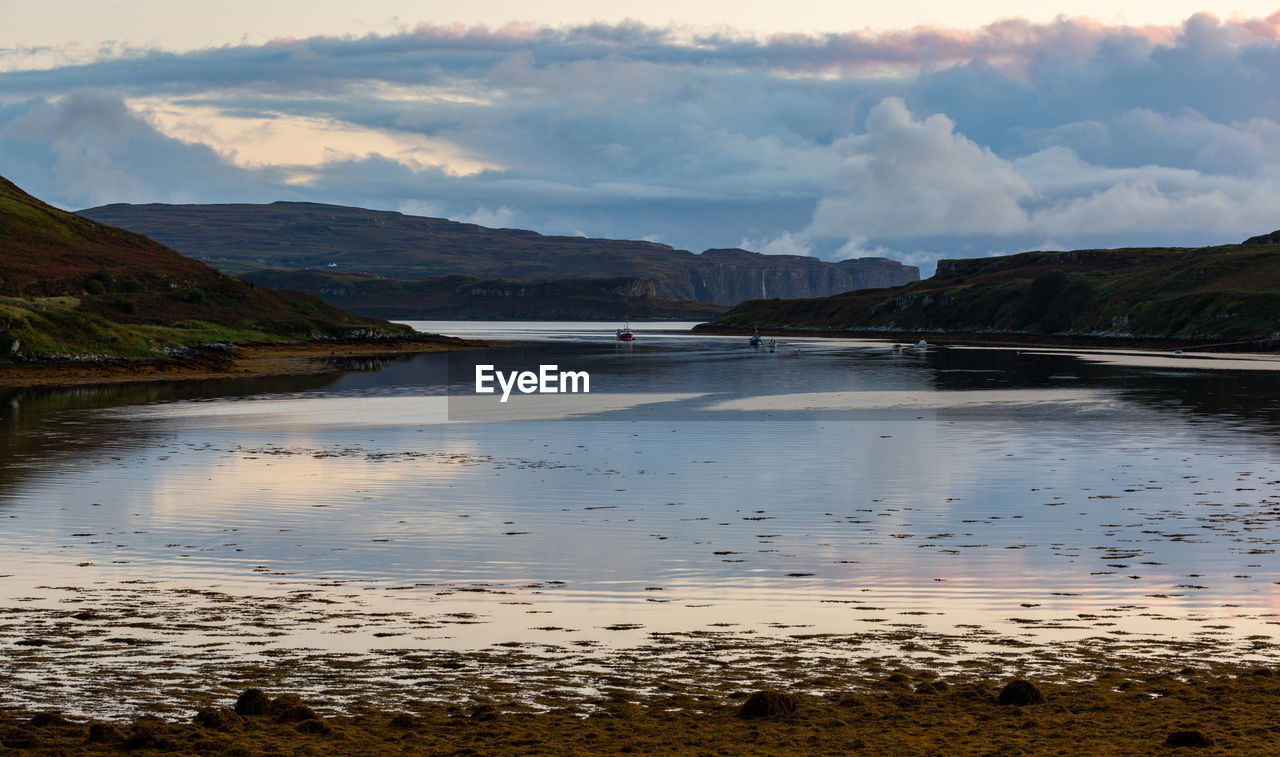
{"x":915,"y":130}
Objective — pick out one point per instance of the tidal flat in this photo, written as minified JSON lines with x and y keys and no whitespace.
{"x":889,"y":538}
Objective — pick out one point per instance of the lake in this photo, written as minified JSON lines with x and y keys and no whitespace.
{"x":703,"y":486}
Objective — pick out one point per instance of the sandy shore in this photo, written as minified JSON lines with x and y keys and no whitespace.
{"x":248,"y":360}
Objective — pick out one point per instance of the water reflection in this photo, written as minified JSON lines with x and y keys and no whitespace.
{"x":1155,"y":508}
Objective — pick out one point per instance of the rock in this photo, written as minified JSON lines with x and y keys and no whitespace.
{"x":253,"y":702}
{"x":931,"y":687}
{"x":314,"y":726}
{"x":1020,"y":693}
{"x":404,"y":720}
{"x":20,"y":739}
{"x":768,"y":704}
{"x":47,"y":719}
{"x":219,"y":720}
{"x":1189,"y":739}
{"x":142,"y":737}
{"x":289,"y":708}
{"x":104,"y":733}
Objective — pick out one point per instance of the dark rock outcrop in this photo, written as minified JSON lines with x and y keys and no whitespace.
{"x":1188,"y":739}
{"x":768,"y":704}
{"x":1020,"y":693}
{"x":253,"y":702}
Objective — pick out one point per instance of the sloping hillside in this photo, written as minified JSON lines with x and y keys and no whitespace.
{"x":1226,"y":292}
{"x":472,"y":298}
{"x":72,"y":286}
{"x":290,"y":235}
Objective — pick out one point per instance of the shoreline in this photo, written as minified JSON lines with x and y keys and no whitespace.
{"x":1101,"y":707}
{"x":980,"y":339}
{"x":244,"y":361}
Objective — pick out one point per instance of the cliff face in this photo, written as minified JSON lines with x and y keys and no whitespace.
{"x":239,"y":239}
{"x":727,"y":277}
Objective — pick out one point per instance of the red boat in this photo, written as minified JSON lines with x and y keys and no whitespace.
{"x":624,"y":334}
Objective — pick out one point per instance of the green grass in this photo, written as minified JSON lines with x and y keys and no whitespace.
{"x":1224,"y":293}
{"x":68,"y":326}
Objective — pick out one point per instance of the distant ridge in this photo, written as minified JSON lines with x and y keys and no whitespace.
{"x":241,"y":238}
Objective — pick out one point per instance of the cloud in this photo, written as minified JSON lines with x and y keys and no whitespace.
{"x":785,"y":243}
{"x":915,"y":143}
{"x":502,"y":218}
{"x":282,"y":139}
{"x":913,"y":178}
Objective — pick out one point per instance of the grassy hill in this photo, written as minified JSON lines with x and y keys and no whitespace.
{"x":70,"y":286}
{"x":241,"y":238}
{"x":1227,"y":292}
{"x":472,"y":298}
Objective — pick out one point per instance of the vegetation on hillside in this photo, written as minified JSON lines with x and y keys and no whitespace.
{"x":1226,"y":292}
{"x":472,"y":298}
{"x":74,"y":287}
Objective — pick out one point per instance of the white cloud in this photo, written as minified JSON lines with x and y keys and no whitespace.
{"x":502,"y":218}
{"x":282,"y":139}
{"x":913,"y":178}
{"x":421,"y":208}
{"x":785,"y":243}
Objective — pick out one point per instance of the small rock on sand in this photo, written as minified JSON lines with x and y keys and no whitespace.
{"x":768,"y":704}
{"x":1020,"y":693}
{"x":289,"y":708}
{"x":218,"y":720}
{"x":1188,"y":738}
{"x":104,"y":733}
{"x":404,"y":720}
{"x":253,"y":702}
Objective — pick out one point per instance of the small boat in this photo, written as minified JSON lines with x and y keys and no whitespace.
{"x":624,"y":333}
{"x":755,"y":339}
{"x":922,"y":345}
{"x":773,"y":345}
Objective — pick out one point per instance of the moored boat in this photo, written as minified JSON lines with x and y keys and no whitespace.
{"x":624,"y":334}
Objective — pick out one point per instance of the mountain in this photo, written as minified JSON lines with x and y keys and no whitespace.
{"x":73,"y":286}
{"x":238,"y":239}
{"x":472,"y":298}
{"x":1220,"y":293}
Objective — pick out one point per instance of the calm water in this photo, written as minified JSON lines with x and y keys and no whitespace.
{"x":831,"y":485}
